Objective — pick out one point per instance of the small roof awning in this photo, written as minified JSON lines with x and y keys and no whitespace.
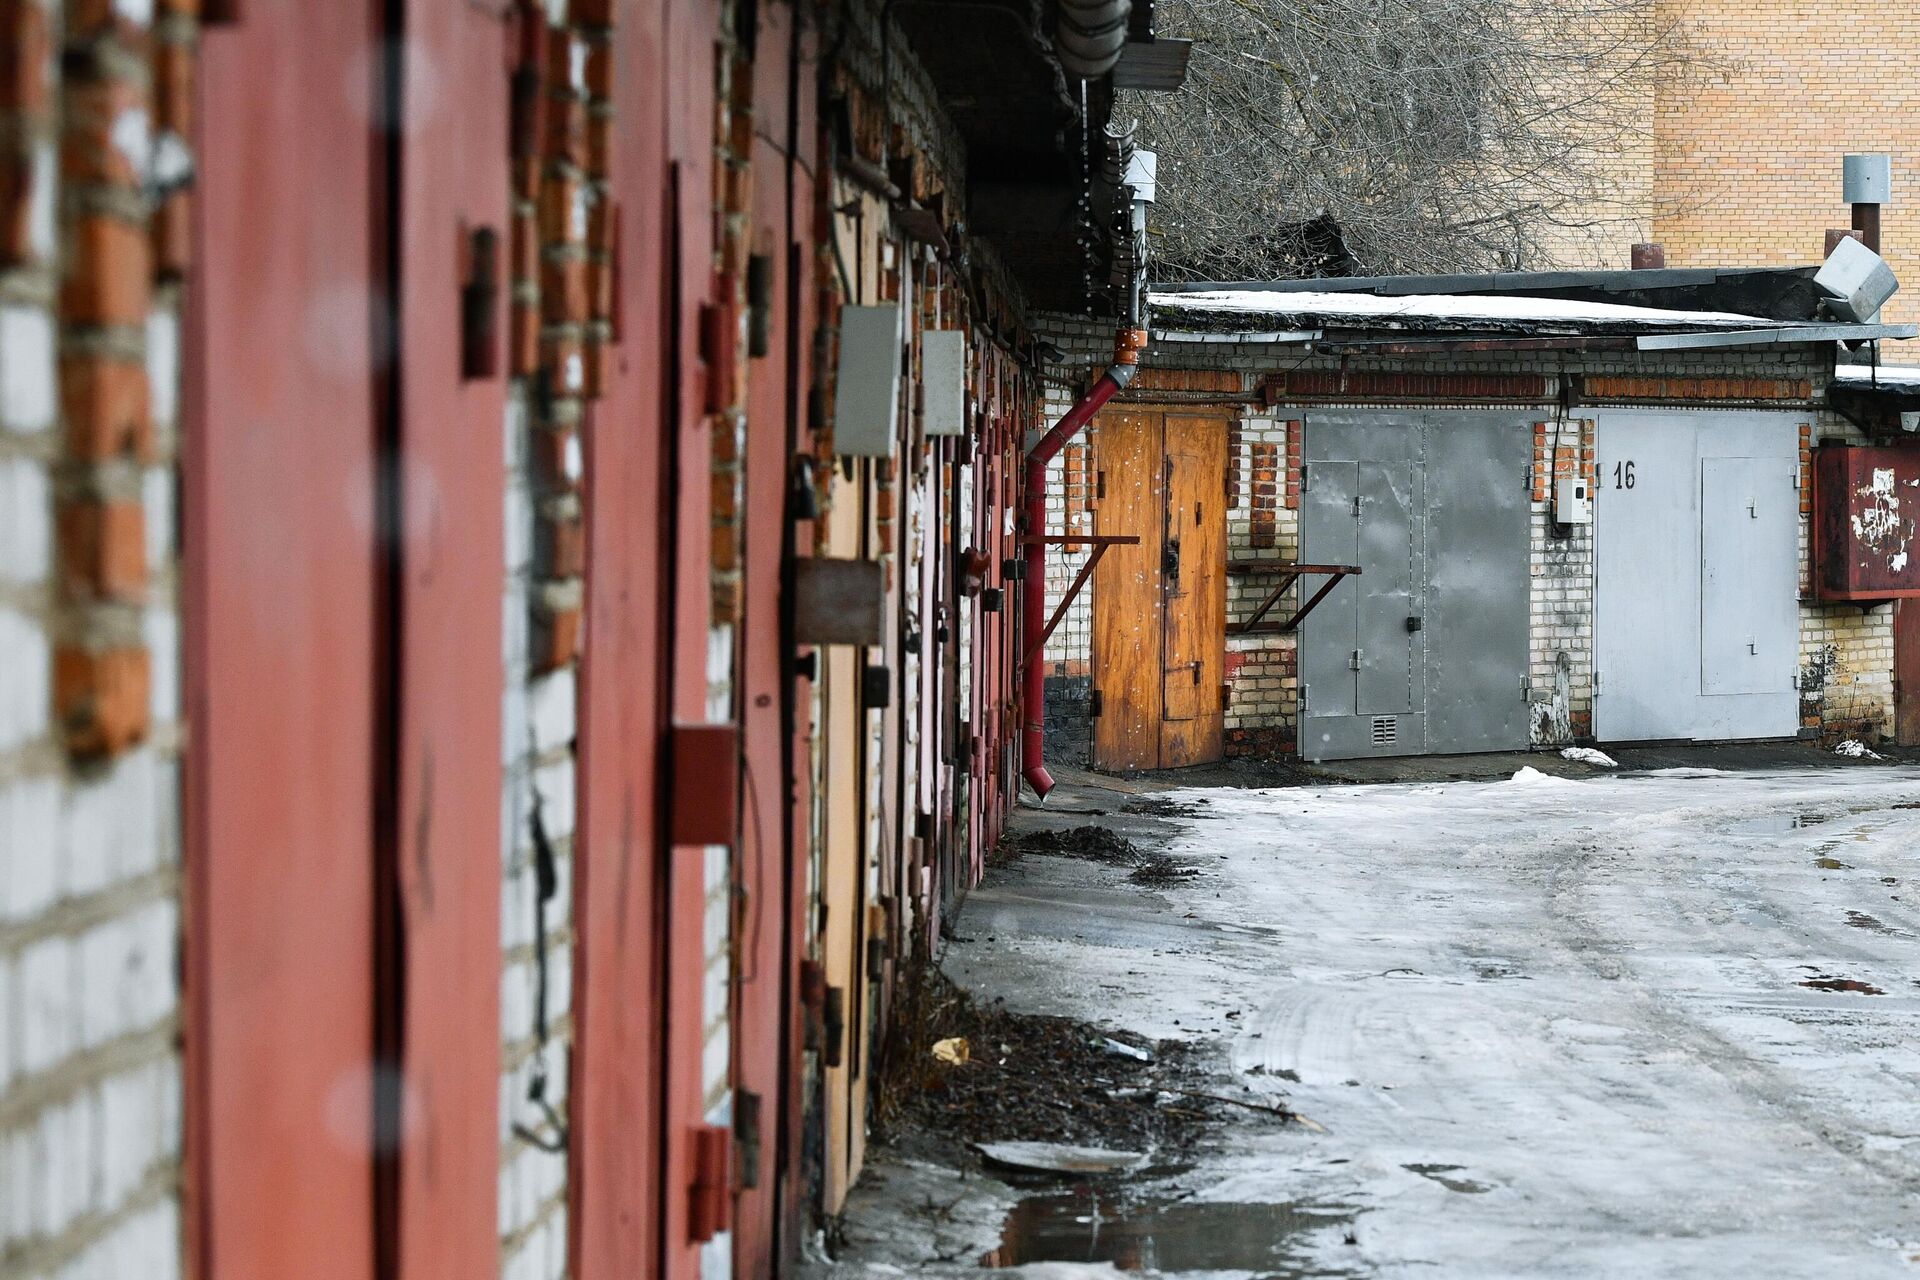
{"x":1410,"y":322}
{"x":1883,"y":400}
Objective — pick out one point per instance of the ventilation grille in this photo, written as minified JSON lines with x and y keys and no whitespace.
{"x":1386,"y":730}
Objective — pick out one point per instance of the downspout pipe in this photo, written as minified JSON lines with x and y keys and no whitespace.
{"x":1033,"y":593}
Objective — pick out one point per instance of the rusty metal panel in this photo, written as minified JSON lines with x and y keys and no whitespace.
{"x":1866,"y":522}
{"x":616,"y":1136}
{"x":447,"y":513}
{"x":838,"y":602}
{"x":1906,"y":673}
{"x":279,"y":657}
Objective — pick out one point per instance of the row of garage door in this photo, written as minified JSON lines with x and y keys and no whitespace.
{"x":1694,"y":620}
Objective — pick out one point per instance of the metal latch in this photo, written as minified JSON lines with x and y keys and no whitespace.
{"x":1358,"y":503}
{"x":1353,"y":663}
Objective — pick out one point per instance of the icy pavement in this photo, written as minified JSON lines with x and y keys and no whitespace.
{"x":1637,"y":1025}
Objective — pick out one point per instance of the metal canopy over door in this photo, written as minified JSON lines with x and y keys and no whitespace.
{"x":1696,"y":622}
{"x":1160,"y":607}
{"x":1426,"y":650}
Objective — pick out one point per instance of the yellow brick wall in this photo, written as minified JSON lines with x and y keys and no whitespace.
{"x":1745,"y":162}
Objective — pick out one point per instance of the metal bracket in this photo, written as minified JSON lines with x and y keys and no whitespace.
{"x":1290,"y":574}
{"x":1099,"y":543}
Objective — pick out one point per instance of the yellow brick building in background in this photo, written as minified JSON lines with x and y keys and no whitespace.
{"x":1743,"y":165}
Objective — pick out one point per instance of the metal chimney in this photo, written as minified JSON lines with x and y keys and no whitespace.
{"x":1866,"y":179}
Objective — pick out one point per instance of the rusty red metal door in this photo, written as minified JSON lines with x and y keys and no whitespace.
{"x":279,"y":471}
{"x":1906,"y":672}
{"x":443,"y":509}
{"x":617,"y":1144}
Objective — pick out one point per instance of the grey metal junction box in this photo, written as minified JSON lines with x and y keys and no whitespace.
{"x":866,"y":405}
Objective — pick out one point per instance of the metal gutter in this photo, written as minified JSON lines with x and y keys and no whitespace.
{"x":1791,"y":336}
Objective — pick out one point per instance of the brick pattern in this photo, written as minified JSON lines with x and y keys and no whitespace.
{"x":1745,"y":167}
{"x":561,"y":267}
{"x":95,"y":100}
{"x":1561,"y":560}
{"x":1266,"y":493}
{"x":1846,"y":658}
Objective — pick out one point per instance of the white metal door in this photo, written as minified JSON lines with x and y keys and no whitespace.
{"x":1696,"y":620}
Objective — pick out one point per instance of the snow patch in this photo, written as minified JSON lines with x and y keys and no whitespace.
{"x":1529,"y":776}
{"x":1854,"y":749}
{"x":1443,"y":307}
{"x":1587,"y":755}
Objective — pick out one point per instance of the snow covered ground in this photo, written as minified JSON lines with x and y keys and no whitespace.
{"x":1634,"y":1025}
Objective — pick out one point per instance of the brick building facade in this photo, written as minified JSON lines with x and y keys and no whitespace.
{"x":1740,"y":165}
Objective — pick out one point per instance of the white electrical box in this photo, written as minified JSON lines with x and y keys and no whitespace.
{"x":943,"y":366}
{"x":866,"y":403}
{"x":1573,"y":500}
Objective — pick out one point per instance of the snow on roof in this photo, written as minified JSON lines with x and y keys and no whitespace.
{"x":1905,"y":377}
{"x":1431,"y":311}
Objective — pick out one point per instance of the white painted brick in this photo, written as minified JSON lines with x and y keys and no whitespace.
{"x":514,"y":625}
{"x":559,"y":980}
{"x":108,"y":827}
{"x":557,"y":1244}
{"x":29,"y":843}
{"x":555,"y":785}
{"x":551,"y":710}
{"x":516,"y":1002}
{"x":7,"y":1021}
{"x":163,"y":366}
{"x":516,"y":907}
{"x":169,"y":1099}
{"x":518,"y":527}
{"x":18,"y":1184}
{"x":503,"y":1202}
{"x":65,"y":1148}
{"x":126,"y":973}
{"x":147,"y":1246}
{"x":161,"y":630}
{"x":156,"y":503}
{"x":43,"y":206}
{"x":26,"y":522}
{"x":47,"y":1028}
{"x":130,"y":1132}
{"x":27,"y":383}
{"x":25,"y":692}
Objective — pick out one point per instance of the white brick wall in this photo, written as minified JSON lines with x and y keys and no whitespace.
{"x":538,"y":721}
{"x":90,"y":1092}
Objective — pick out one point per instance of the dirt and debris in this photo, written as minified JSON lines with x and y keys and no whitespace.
{"x":1161,"y":807}
{"x":1097,"y":844}
{"x":1041,"y":1079}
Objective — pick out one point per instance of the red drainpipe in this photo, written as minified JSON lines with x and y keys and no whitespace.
{"x":1033,"y":592}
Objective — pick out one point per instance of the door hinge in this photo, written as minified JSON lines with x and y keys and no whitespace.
{"x":1353,"y":663}
{"x":1596,"y":682}
{"x":1196,"y":673}
{"x":1305,"y":470}
{"x":833,"y":1018}
{"x":712,"y":1191}
{"x":1303,"y":699}
{"x":1099,"y":484}
{"x":1093,"y":706}
{"x":746,"y":1137}
{"x":1358,"y":503}
{"x":1226,"y":695}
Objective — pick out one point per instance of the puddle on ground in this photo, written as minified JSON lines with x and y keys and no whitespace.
{"x":1439,"y":1173}
{"x":1861,"y":920}
{"x":1828,"y":982}
{"x":1831,"y":864}
{"x":1090,"y":1224}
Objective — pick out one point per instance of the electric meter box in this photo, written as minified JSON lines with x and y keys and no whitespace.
{"x":1573,"y":500}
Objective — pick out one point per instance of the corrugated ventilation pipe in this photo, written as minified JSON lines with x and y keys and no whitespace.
{"x":1137,"y":191}
{"x":1089,"y":34}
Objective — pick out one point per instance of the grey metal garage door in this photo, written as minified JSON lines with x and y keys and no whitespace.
{"x":1426,"y":651}
{"x":1696,"y":575}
